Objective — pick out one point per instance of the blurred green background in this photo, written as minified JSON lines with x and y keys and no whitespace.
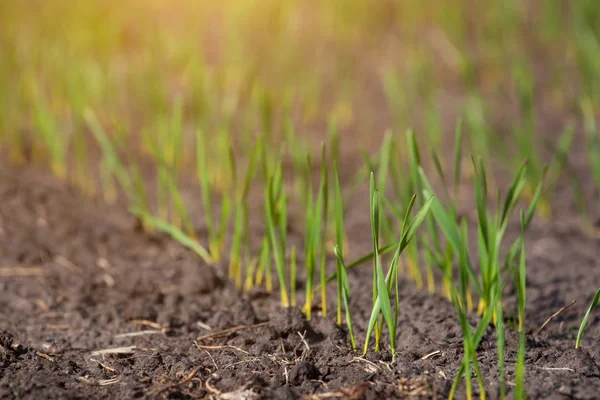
{"x":519,"y":74}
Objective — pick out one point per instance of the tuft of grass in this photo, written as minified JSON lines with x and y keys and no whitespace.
{"x":490,"y":280}
{"x":384,"y":285}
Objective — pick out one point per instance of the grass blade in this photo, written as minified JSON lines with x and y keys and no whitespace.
{"x":586,"y":317}
{"x":176,"y":234}
{"x":323,"y":247}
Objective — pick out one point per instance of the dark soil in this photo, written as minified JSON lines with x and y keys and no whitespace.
{"x":78,"y":278}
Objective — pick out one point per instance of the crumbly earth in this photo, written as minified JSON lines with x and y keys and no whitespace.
{"x":78,"y":280}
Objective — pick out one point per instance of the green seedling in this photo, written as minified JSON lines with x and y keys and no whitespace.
{"x":383,"y":285}
{"x":375,"y":221}
{"x":457,"y":162}
{"x":339,"y":239}
{"x":216,"y":232}
{"x":55,"y":141}
{"x":177,"y":234}
{"x":176,"y":200}
{"x":276,"y":213}
{"x":264,"y":265}
{"x":333,"y":138}
{"x":156,"y":140}
{"x":311,"y":232}
{"x":111,"y":165}
{"x":302,"y":171}
{"x":584,"y":322}
{"x":520,"y":284}
{"x":293,"y":276}
{"x":414,"y":159}
{"x":592,"y":140}
{"x":171,"y":207}
{"x":81,"y":174}
{"x":491,"y":229}
{"x":316,"y":238}
{"x":240,"y":247}
{"x":344,"y":293}
{"x":471,"y":339}
{"x":140,"y":194}
{"x":323,"y":245}
{"x":174,"y":138}
{"x":383,"y":168}
{"x":444,"y":256}
{"x":490,"y":283}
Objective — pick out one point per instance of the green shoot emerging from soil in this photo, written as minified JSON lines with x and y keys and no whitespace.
{"x":584,"y":322}
{"x":385,"y":286}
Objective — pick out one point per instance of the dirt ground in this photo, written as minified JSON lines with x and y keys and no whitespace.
{"x":78,"y":278}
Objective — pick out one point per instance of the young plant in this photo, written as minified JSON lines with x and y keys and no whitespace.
{"x":311,"y":234}
{"x":293,"y":276}
{"x":490,"y":283}
{"x":276,"y":213}
{"x":417,"y":187}
{"x":584,"y":322}
{"x":111,"y":166}
{"x":81,"y":175}
{"x":385,"y":285}
{"x":592,"y":140}
{"x":155,"y":139}
{"x":216,"y":231}
{"x":171,"y":207}
{"x":264,"y":266}
{"x":375,"y":222}
{"x":178,"y":205}
{"x":491,"y":229}
{"x":344,"y":294}
{"x":383,"y":169}
{"x":471,"y":339}
{"x":339,"y":239}
{"x":176,"y":233}
{"x":302,"y":171}
{"x":323,"y":247}
{"x":55,"y":141}
{"x":520,"y":284}
{"x":240,"y":247}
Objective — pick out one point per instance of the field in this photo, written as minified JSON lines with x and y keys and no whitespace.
{"x":262,"y":199}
